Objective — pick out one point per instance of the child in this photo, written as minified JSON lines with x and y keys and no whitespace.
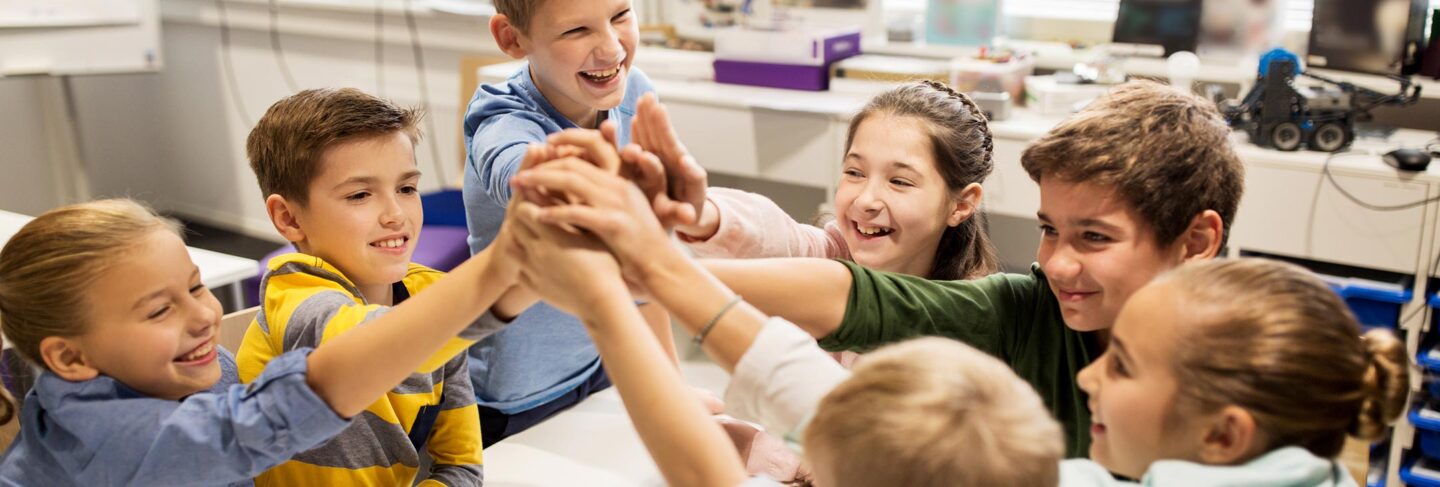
{"x":1240,"y":372}
{"x":337,"y":168}
{"x":580,"y":74}
{"x":930,"y":412}
{"x":1106,"y":230}
{"x":908,"y":202}
{"x":104,"y":297}
{"x":8,"y":427}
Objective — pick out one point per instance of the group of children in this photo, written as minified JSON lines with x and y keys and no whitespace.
{"x":1128,"y":349}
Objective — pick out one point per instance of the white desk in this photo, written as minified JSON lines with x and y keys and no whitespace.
{"x":217,"y":270}
{"x":593,"y":444}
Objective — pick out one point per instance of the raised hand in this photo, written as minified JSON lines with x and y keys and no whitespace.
{"x":686,"y":180}
{"x":569,"y":270}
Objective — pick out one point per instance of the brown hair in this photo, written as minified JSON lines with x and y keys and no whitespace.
{"x":935,"y":412}
{"x":960,"y":137}
{"x":46,"y":268}
{"x":1166,"y":152}
{"x":287,"y":143}
{"x":1271,"y":338}
{"x":519,"y":12}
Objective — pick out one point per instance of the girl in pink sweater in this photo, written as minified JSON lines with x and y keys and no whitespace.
{"x":908,"y":200}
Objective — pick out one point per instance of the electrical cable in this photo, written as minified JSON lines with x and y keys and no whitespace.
{"x":424,"y":92}
{"x":278,"y":50}
{"x":1363,"y":204}
{"x":229,"y":64}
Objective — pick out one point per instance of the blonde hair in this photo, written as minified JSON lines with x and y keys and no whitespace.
{"x":935,"y":412}
{"x":1271,"y":338}
{"x":46,"y":268}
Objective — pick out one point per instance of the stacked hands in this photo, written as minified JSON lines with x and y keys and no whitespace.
{"x":589,"y":219}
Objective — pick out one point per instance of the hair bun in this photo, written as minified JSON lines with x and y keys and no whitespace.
{"x":1387,"y":385}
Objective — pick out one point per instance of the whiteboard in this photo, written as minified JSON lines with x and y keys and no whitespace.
{"x":68,"y":37}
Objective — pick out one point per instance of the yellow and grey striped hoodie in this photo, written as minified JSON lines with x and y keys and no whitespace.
{"x":307,"y":302}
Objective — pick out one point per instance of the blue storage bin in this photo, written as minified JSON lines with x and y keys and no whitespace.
{"x":1375,"y":304}
{"x":1421,"y":472}
{"x":1427,"y":430}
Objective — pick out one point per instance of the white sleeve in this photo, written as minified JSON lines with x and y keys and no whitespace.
{"x":781,"y":379}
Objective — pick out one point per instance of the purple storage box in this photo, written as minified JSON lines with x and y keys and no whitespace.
{"x":788,"y":76}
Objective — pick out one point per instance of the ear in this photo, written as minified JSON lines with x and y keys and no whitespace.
{"x":1230,"y":438}
{"x":1202,"y":238}
{"x":283,"y":214}
{"x":507,"y":36}
{"x":63,"y":357}
{"x":967,"y":202}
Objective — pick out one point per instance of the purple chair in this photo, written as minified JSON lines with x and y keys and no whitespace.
{"x":442,"y":244}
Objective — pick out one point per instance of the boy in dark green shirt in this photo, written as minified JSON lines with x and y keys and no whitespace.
{"x":1135,"y":184}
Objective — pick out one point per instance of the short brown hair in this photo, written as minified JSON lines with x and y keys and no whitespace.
{"x":1165,"y":151}
{"x":935,"y":412}
{"x":1273,"y":339}
{"x":518,"y":11}
{"x":285,"y":147}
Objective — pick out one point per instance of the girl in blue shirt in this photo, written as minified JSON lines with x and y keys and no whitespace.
{"x":104,"y":297}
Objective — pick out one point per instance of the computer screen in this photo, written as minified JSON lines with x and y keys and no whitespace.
{"x":1368,"y":36}
{"x":1172,"y":24}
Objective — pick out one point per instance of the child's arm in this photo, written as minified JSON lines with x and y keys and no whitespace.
{"x":577,"y":275}
{"x":455,"y":444}
{"x":737,"y":224}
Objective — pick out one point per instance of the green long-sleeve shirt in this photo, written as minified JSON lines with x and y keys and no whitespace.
{"x":1012,"y":316}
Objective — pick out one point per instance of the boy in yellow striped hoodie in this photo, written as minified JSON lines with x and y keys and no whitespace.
{"x":337,"y":168}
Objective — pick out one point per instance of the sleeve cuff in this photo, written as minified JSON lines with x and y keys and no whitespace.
{"x":781,"y":379}
{"x":307,"y":416}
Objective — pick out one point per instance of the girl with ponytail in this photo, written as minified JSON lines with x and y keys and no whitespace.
{"x":908,"y":199}
{"x":1237,"y":372}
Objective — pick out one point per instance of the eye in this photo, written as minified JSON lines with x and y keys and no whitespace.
{"x":409,"y":189}
{"x":159,"y":313}
{"x":197,"y":289}
{"x":902,"y":182}
{"x":621,"y":17}
{"x":574,"y":32}
{"x":1117,"y":367}
{"x":1096,"y":237}
{"x":1048,"y":231}
{"x":854,"y":173}
{"x":358,"y":196}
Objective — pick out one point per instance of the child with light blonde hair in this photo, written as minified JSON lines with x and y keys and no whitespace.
{"x":1237,"y":372}
{"x":135,"y":388}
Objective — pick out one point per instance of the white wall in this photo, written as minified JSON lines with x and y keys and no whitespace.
{"x":176,"y":139}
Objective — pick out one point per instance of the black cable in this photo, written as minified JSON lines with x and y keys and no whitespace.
{"x":1369,"y":206}
{"x":229,"y":66}
{"x":380,"y":48}
{"x":424,"y":92}
{"x":279,"y":51}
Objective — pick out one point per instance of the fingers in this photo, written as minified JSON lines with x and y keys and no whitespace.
{"x":649,"y":172}
{"x":596,"y":149}
{"x":569,"y":176}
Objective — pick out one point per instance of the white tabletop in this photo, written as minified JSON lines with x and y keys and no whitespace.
{"x":593,"y":444}
{"x":216,"y":269}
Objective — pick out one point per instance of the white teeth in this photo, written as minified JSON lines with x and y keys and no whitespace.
{"x":391,"y":244}
{"x":601,"y":75}
{"x":868,"y":230}
{"x":199,"y":353}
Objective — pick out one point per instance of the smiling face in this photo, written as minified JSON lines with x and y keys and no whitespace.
{"x":1095,"y":251}
{"x":151,"y":324}
{"x":892,"y":203}
{"x":580,"y":54}
{"x":364,"y":214}
{"x":1134,"y":392}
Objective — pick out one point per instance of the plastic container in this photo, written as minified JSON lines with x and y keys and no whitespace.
{"x":1375,"y":304}
{"x":1421,"y":472}
{"x":992,"y":74}
{"x":1427,"y":430}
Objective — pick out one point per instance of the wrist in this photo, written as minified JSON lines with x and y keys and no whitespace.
{"x":704,"y":229}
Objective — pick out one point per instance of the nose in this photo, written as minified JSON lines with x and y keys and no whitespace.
{"x":870,"y":199}
{"x":609,"y":51}
{"x":1061,"y":264}
{"x":202,"y":316}
{"x":392,"y":215}
{"x":1086,"y":378}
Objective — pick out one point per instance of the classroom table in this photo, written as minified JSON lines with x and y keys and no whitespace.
{"x":593,"y":444}
{"x":217,"y":270}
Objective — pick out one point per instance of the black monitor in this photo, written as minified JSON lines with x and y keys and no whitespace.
{"x":1172,"y":24}
{"x":1367,"y":36}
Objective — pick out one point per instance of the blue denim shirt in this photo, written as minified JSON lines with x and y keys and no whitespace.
{"x":100,"y":432}
{"x":545,"y":352}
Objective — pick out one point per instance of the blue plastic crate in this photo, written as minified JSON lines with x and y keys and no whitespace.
{"x":1427,"y":431}
{"x":1421,"y":472}
{"x":1375,"y":305}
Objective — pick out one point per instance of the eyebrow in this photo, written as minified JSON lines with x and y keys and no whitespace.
{"x":412,"y":174}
